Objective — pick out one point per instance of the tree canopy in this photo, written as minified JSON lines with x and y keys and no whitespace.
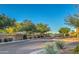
{"x":10,"y":25}
{"x":42,"y":28}
{"x":27,"y":26}
{"x":64,"y":30}
{"x":73,"y":21}
{"x":5,"y":21}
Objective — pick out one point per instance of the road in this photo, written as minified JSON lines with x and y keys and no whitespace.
{"x":23,"y":47}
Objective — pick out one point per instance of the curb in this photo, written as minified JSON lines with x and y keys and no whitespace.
{"x":12,"y":42}
{"x":37,"y":52}
{"x":20,"y":41}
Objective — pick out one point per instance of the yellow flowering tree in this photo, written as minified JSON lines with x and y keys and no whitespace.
{"x":10,"y":30}
{"x":17,"y":27}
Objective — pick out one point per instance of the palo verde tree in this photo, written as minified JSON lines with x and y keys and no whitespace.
{"x":64,"y":31}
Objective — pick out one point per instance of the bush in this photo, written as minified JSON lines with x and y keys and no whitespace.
{"x":6,"y":40}
{"x":60,"y":44}
{"x":51,"y":48}
{"x":66,"y":35}
{"x":0,"y":40}
{"x":10,"y":39}
{"x":54,"y":47}
{"x":76,"y":49}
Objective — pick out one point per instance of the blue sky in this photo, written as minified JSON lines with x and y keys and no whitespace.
{"x":51,"y":14}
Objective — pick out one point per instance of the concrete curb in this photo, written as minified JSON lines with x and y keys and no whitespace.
{"x":38,"y":52}
{"x":12,"y":42}
{"x":22,"y":41}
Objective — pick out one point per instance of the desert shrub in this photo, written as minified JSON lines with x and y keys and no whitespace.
{"x":6,"y":40}
{"x":54,"y":47}
{"x":10,"y":39}
{"x":76,"y":49}
{"x":60,"y":44}
{"x":24,"y":37}
{"x":0,"y":40}
{"x":51,"y":48}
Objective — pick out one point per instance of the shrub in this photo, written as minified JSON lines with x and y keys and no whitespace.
{"x":60,"y":44}
{"x":0,"y":40}
{"x":54,"y":47}
{"x":51,"y":48}
{"x":6,"y":40}
{"x":10,"y":39}
{"x":76,"y":49}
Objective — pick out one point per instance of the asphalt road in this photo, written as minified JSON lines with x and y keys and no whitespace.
{"x":24,"y":47}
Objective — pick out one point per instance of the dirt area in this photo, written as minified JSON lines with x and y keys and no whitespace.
{"x":69,"y":40}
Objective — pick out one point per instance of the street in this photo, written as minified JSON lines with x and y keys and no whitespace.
{"x":24,"y":47}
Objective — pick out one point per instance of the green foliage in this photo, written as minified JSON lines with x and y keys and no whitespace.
{"x":42,"y":28}
{"x":51,"y":48}
{"x":54,"y":47}
{"x":76,"y":49}
{"x":60,"y":44}
{"x":12,"y":26}
{"x":64,"y":31}
{"x":5,"y":21}
{"x":73,"y":21}
{"x":27,"y":26}
{"x":2,"y":31}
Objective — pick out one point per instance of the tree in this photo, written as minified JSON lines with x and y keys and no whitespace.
{"x":5,"y":21}
{"x":64,"y":31}
{"x":73,"y":21}
{"x":28,"y":26}
{"x":42,"y":28}
{"x":17,"y":27}
{"x":10,"y":30}
{"x":73,"y":33}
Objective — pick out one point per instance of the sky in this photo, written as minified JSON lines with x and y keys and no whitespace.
{"x":51,"y":14}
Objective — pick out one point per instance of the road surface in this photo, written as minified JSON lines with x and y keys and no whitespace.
{"x":23,"y":47}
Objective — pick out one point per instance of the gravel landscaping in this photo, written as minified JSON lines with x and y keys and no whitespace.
{"x":68,"y":49}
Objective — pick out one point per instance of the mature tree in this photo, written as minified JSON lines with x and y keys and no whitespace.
{"x":73,"y":21}
{"x":28,"y":26}
{"x":5,"y":21}
{"x":42,"y":28}
{"x":64,"y":31}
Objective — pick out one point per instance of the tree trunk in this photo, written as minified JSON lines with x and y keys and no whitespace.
{"x":64,"y":35}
